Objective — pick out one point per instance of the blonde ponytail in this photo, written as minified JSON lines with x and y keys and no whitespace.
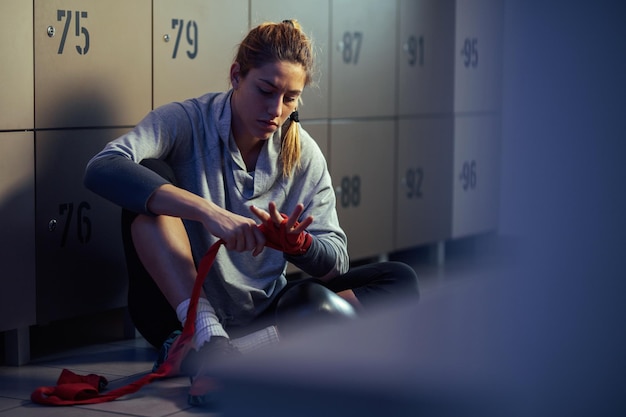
{"x":290,"y":150}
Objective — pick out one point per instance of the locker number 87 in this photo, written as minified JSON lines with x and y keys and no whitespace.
{"x":351,"y":47}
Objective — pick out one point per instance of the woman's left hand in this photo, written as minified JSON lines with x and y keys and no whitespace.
{"x":285,"y":233}
{"x":274,"y":216}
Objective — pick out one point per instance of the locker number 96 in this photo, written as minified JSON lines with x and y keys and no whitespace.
{"x":468,"y":175}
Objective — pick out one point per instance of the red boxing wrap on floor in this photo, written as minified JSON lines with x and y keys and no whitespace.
{"x":73,"y":389}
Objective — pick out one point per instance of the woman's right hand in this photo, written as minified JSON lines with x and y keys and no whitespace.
{"x":239,"y":233}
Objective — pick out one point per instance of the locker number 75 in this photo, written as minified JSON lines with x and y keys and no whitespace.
{"x":79,"y":30}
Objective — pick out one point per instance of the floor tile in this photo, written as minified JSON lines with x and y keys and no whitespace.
{"x":125,"y":361}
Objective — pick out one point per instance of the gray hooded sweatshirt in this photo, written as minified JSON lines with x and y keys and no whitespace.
{"x":194,"y":138}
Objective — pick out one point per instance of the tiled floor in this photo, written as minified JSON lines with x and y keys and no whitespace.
{"x":125,"y":361}
{"x":119,"y":362}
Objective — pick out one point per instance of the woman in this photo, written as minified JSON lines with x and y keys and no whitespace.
{"x":210,"y":168}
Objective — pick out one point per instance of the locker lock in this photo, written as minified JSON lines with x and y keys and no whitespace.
{"x":51,"y":31}
{"x":52,"y":225}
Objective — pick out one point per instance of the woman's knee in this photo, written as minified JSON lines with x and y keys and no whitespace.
{"x":310,"y":303}
{"x":405,"y":278}
{"x":388,"y":281}
{"x":147,"y":230}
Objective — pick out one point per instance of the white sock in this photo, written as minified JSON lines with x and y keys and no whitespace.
{"x":257,"y":340}
{"x":207,"y":323}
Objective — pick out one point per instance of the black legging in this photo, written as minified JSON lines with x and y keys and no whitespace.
{"x":156,"y":319}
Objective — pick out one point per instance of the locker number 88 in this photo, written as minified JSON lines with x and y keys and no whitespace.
{"x":350,"y":191}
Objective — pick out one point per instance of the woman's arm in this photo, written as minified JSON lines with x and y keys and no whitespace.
{"x":239,"y":233}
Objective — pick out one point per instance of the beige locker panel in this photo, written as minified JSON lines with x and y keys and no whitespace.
{"x":16,"y":71}
{"x":362,"y":156}
{"x":17,"y":209}
{"x":478,"y":67}
{"x":426,"y":64}
{"x":194,"y":46}
{"x":476,"y":175}
{"x":313,"y":16}
{"x":424,"y":177}
{"x":319,"y":132}
{"x":80,"y":260}
{"x":363,"y":58}
{"x":93,"y":64}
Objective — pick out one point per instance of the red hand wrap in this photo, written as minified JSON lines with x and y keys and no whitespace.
{"x":278,"y":237}
{"x":72,"y":389}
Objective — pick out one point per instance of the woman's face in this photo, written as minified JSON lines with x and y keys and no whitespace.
{"x":264,"y":98}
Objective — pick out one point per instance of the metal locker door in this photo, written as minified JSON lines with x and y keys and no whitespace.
{"x":363,"y":58}
{"x":478,"y":55}
{"x":476,"y":175}
{"x":93,"y":63}
{"x":424,"y":173}
{"x":319,"y":132}
{"x":313,"y":16}
{"x":426,"y":64}
{"x":80,"y":261}
{"x":194,"y":46}
{"x":17,"y":209}
{"x":16,"y":71}
{"x":362,"y":156}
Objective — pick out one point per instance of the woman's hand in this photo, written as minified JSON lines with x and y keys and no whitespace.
{"x":284,"y":232}
{"x":292,"y":226}
{"x":239,"y":233}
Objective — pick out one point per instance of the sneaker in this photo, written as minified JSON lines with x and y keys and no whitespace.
{"x":203,"y":386}
{"x":165,"y":349}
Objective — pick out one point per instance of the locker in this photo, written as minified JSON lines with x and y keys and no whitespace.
{"x":362,"y":157}
{"x":426,"y":57}
{"x":424,"y":176}
{"x":476,"y":175}
{"x":194,"y":45}
{"x":319,"y":131}
{"x":16,"y":71}
{"x":363,"y":58}
{"x":313,"y":16}
{"x":478,"y":55}
{"x":92,"y":62}
{"x":17,"y":209}
{"x":80,"y":260}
